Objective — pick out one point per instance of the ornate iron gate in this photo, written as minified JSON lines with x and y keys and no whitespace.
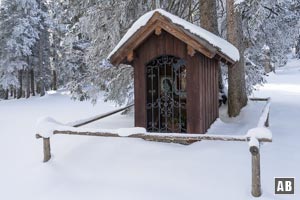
{"x":166,"y":94}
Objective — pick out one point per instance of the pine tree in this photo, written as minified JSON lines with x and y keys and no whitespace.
{"x":19,"y":31}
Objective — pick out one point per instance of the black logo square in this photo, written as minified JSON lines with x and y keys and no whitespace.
{"x":284,"y":185}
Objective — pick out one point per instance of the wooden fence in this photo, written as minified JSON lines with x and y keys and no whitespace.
{"x":179,"y":138}
{"x":255,"y":151}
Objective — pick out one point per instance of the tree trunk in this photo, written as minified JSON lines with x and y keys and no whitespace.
{"x":32,"y":82}
{"x":208,"y":16}
{"x":267,"y":65}
{"x":15,"y":93}
{"x":23,"y":93}
{"x":20,"y":89}
{"x":153,"y":4}
{"x":209,"y":21}
{"x":237,"y":97}
{"x":11,"y":91}
{"x":6,"y":94}
{"x":37,"y":88}
{"x":42,"y":88}
{"x":27,"y":84}
{"x":54,"y":80}
{"x":297,"y":48}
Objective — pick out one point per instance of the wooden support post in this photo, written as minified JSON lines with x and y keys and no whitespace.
{"x":190,"y":50}
{"x":47,"y":150}
{"x":267,"y":120}
{"x":158,"y":30}
{"x":130,"y":56}
{"x":256,"y":185}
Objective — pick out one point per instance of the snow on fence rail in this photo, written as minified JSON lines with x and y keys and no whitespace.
{"x":264,"y":118}
{"x":48,"y":127}
{"x":97,"y":117}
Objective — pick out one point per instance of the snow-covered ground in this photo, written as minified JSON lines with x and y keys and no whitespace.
{"x":124,"y":168}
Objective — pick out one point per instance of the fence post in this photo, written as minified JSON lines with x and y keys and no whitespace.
{"x":256,"y":185}
{"x":47,"y":150}
{"x":267,"y":121}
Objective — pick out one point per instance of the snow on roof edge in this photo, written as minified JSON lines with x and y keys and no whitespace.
{"x":222,"y":45}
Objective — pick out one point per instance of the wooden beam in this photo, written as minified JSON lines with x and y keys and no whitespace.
{"x":173,"y":138}
{"x":218,"y":57}
{"x":225,"y":59}
{"x":134,"y":41}
{"x":101,"y":134}
{"x":158,"y":30}
{"x":264,"y":118}
{"x":190,"y":50}
{"x":267,"y":120}
{"x":259,"y":99}
{"x":189,"y":39}
{"x":130,"y":56}
{"x":95,"y":118}
{"x":178,"y":138}
{"x":158,"y":20}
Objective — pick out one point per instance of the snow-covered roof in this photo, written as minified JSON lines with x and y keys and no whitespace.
{"x":223,"y":47}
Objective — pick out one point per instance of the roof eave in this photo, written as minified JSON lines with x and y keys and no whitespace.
{"x":199,"y":44}
{"x":225,"y":59}
{"x":120,"y":55}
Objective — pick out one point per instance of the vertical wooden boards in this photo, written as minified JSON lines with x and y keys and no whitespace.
{"x":202,"y":81}
{"x":152,"y":47}
{"x":139,"y":94}
{"x":208,"y":91}
{"x":194,"y":109}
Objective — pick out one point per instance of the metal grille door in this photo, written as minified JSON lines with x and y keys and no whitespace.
{"x":166,"y":95}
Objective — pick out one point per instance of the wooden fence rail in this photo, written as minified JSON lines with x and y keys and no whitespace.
{"x":98,"y":117}
{"x":180,"y":139}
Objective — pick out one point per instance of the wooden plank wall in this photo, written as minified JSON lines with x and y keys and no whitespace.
{"x":210,"y":91}
{"x":203,"y":90}
{"x":202,"y":82}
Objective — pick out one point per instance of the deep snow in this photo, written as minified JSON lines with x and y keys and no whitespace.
{"x":124,"y":168}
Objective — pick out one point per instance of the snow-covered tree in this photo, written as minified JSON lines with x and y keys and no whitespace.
{"x":272,"y":23}
{"x":48,"y":44}
{"x":94,"y":33}
{"x":297,"y":47}
{"x":19,"y":31}
{"x":40,"y":60}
